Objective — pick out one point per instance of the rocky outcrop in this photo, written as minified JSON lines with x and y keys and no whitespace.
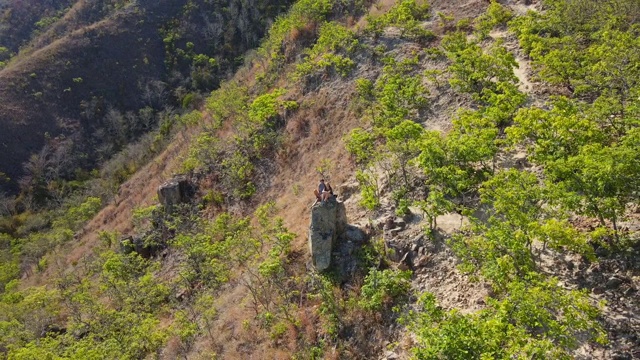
{"x":175,"y":191}
{"x":136,"y":244}
{"x":328,"y":221}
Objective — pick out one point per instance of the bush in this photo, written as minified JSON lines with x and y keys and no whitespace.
{"x":383,"y":288}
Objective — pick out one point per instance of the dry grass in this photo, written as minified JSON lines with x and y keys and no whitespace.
{"x":313,"y":133}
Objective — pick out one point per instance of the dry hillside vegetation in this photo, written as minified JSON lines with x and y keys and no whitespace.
{"x":82,"y":80}
{"x":487,"y":151}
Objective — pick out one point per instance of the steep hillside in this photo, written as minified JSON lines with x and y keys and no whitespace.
{"x":487,"y":155}
{"x":95,"y":76}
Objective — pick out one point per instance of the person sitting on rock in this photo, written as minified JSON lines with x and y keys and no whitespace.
{"x":324,"y":191}
{"x":329,"y":191}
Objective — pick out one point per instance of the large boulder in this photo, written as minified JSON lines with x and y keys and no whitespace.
{"x":136,"y":244}
{"x":174,"y":191}
{"x":328,"y":221}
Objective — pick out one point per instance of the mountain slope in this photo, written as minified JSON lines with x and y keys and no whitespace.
{"x":496,"y":206}
{"x":83,"y":73}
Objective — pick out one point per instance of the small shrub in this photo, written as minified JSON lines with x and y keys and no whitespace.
{"x":383,"y":288}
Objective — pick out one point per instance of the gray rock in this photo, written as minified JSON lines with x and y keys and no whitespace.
{"x":341,"y":217}
{"x":390,"y":355}
{"x":598,"y":290}
{"x":406,"y":262}
{"x":395,"y":231}
{"x":623,"y":355}
{"x":393,"y":252}
{"x":326,"y":220}
{"x":613,"y":283}
{"x":174,"y":191}
{"x":629,"y":291}
{"x":137,"y":244}
{"x":399,"y":222}
{"x":389,"y":223}
{"x":422,"y":261}
{"x":346,"y":190}
{"x":355,"y":234}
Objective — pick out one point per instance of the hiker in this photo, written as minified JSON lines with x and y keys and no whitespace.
{"x":329,"y":190}
{"x":324,"y":191}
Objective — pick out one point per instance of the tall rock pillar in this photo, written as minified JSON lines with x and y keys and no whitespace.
{"x":328,"y":221}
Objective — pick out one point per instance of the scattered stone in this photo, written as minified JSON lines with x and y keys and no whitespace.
{"x":422,"y":261}
{"x":399,"y":222}
{"x":52,"y":330}
{"x":395,"y":231}
{"x":621,"y":356}
{"x":520,"y":160}
{"x":613,"y":283}
{"x":393,"y":252}
{"x":389,"y":223}
{"x":136,"y":244}
{"x":390,"y":355}
{"x":598,"y":290}
{"x":629,"y":291}
{"x":182,"y":295}
{"x":405,"y":262}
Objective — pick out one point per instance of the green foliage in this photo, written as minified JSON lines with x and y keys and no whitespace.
{"x":458,"y":163}
{"x":406,"y":15}
{"x":334,"y":40}
{"x":129,"y":282}
{"x":382,"y":289}
{"x":595,"y":173}
{"x":298,"y":25}
{"x":591,"y":53}
{"x":502,"y":247}
{"x":141,"y":216}
{"x":538,"y":319}
{"x":433,"y":206}
{"x":329,"y":307}
{"x":211,"y":254}
{"x":399,"y":95}
{"x":361,"y":144}
{"x":476,"y":71}
{"x":402,"y":145}
{"x":496,"y":15}
{"x":369,"y":190}
{"x":228,"y":102}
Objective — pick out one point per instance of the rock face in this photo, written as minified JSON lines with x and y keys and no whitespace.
{"x":174,"y":191}
{"x":328,"y":221}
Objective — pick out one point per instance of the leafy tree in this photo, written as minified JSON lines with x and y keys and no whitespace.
{"x":402,"y":143}
{"x":475,"y":71}
{"x":538,"y":319}
{"x":406,"y":15}
{"x":333,"y":41}
{"x":383,"y":288}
